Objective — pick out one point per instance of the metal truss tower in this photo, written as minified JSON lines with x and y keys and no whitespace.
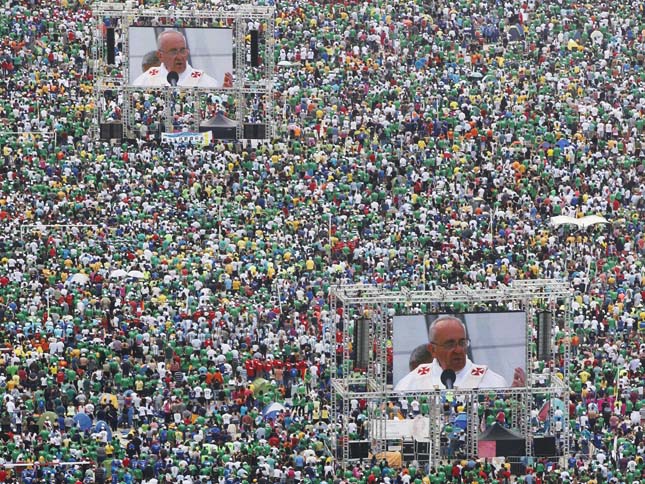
{"x":379,"y":305}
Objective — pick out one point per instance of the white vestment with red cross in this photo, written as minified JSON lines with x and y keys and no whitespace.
{"x":427,"y":376}
{"x":191,"y":77}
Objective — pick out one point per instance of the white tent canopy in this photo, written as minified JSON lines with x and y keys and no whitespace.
{"x":582,"y":222}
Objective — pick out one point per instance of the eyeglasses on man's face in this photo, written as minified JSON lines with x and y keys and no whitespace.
{"x":175,"y":52}
{"x":451,"y":344}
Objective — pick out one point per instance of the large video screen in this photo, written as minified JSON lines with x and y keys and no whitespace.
{"x":202,"y":57}
{"x":497,"y":339}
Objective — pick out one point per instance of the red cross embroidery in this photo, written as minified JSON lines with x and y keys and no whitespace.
{"x":423,"y":370}
{"x":196,"y":74}
{"x":477,"y":371}
{"x":154,"y":72}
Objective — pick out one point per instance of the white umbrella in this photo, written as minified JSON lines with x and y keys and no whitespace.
{"x":136,"y":274}
{"x":79,"y":278}
{"x":116,"y":273}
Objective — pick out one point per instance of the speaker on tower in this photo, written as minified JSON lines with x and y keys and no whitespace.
{"x":110,"y":45}
{"x":361,"y":342}
{"x":545,"y":322}
{"x":254,"y":48}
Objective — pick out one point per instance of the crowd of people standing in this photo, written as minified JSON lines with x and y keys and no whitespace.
{"x":155,"y":298}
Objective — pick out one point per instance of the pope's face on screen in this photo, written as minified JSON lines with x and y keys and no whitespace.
{"x":173,"y":52}
{"x":449,"y":344}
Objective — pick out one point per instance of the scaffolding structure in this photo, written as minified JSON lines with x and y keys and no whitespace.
{"x":379,"y":305}
{"x":250,"y":82}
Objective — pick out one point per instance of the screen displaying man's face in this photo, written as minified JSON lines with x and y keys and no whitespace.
{"x":448,"y":345}
{"x":173,"y":52}
{"x":495,"y":339}
{"x":209,"y":50}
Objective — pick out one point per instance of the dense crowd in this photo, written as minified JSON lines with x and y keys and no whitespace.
{"x":155,"y":299}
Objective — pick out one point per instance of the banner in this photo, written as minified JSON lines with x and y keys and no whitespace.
{"x":188,"y":137}
{"x":417,"y":428}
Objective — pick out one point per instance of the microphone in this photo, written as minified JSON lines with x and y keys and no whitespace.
{"x":172,"y":78}
{"x":448,"y":378}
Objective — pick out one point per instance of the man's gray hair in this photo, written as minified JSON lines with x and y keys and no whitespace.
{"x":445,"y":317}
{"x":169,"y":31}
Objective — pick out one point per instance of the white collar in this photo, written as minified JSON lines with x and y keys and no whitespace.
{"x":459,"y":375}
{"x":163,"y":73}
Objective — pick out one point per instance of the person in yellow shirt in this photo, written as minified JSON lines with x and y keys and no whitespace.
{"x":324,"y":414}
{"x":236,"y":284}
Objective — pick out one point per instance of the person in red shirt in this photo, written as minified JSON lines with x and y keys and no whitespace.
{"x":208,"y":378}
{"x":274,"y":441}
{"x":249,"y":365}
{"x":267,"y":366}
{"x":501,"y":417}
{"x":456,"y":473}
{"x":218,"y":378}
{"x":302,"y":368}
